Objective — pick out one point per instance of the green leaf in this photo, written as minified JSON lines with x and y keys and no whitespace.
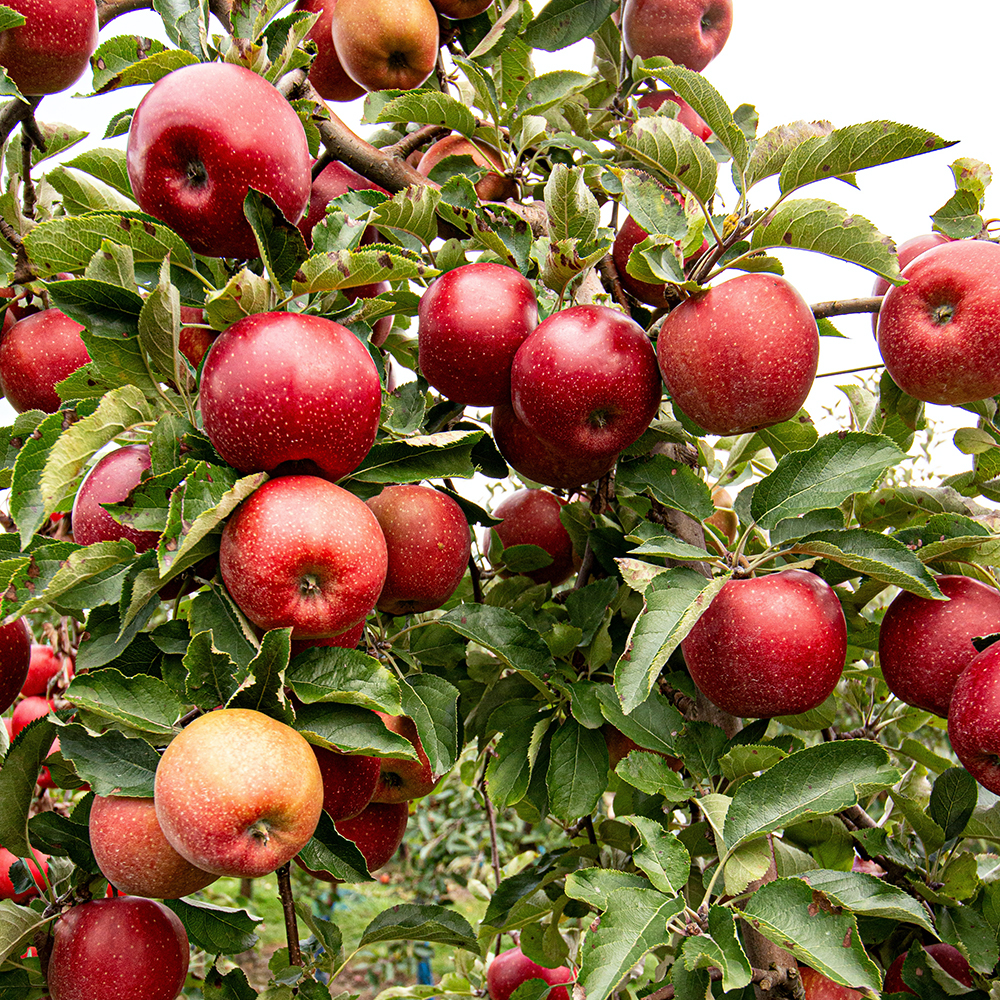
{"x":424,"y":107}
{"x":720,"y":949}
{"x":421,"y":922}
{"x":953,"y":800}
{"x":328,"y":851}
{"x":80,"y":195}
{"x":282,"y":247}
{"x":656,"y":211}
{"x":113,"y":764}
{"x":263,"y":690}
{"x":772,"y":150}
{"x":563,"y":22}
{"x":869,"y":896}
{"x":745,"y":760}
{"x":578,"y":771}
{"x":351,"y":730}
{"x":219,"y":930}
{"x":432,"y":703}
{"x":17,"y":782}
{"x":499,"y":38}
{"x":572,"y":208}
{"x":661,"y":855}
{"x":328,"y":272}
{"x":345,"y":676}
{"x":504,"y":634}
{"x":672,"y":483}
{"x":140,"y":704}
{"x":18,"y":924}
{"x":131,"y":61}
{"x":959,"y":217}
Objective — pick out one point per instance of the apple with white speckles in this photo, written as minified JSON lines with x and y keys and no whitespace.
{"x":403,"y":780}
{"x":15,"y":660}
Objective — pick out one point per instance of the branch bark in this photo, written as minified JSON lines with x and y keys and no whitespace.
{"x":846,"y":307}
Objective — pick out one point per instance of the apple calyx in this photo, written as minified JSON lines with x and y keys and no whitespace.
{"x":261,"y":833}
{"x":943,"y":314}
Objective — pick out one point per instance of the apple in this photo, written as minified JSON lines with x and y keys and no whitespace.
{"x":531,"y":517}
{"x":472,"y":320}
{"x":974,"y":718}
{"x":936,"y":333}
{"x":377,"y":831}
{"x":924,"y":644}
{"x":770,"y":645}
{"x":404,"y":780}
{"x":133,"y":854}
{"x":326,"y":74}
{"x":690,"y":32}
{"x":686,"y":115}
{"x":724,"y":519}
{"x":428,"y":543}
{"x":288,"y":392}
{"x":52,"y":49}
{"x":349,"y":781}
{"x":110,"y":481}
{"x":946,"y":955}
{"x":238,"y":793}
{"x":494,"y":186}
{"x":25,"y":712}
{"x":200,"y":139}
{"x":627,"y":238}
{"x":304,"y":553}
{"x":15,"y":660}
{"x":386,"y":47}
{"x":512,"y":967}
{"x":334,"y":179}
{"x":39,"y":872}
{"x":586,"y":380}
{"x":459,"y":10}
{"x":818,"y":987}
{"x":741,"y":356}
{"x":346,"y":640}
{"x":905,"y":252}
{"x":36,"y":353}
{"x":534,"y":459}
{"x":195,"y":336}
{"x":125,"y":947}
{"x":44,"y":664}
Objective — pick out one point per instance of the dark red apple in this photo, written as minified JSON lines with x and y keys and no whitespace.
{"x":334,"y":179}
{"x":620,"y":746}
{"x":769,"y":645}
{"x":686,"y":115}
{"x":974,"y":718}
{"x":741,"y":356}
{"x":377,"y":831}
{"x":284,"y":391}
{"x":200,"y":139}
{"x":349,"y":781}
{"x":494,"y":186}
{"x":44,"y":664}
{"x":531,"y":517}
{"x":937,"y":333}
{"x":818,"y":987}
{"x":690,"y":32}
{"x":472,"y":322}
{"x":326,"y":74}
{"x":906,"y":252}
{"x":946,"y":955}
{"x":195,"y":337}
{"x":512,"y":967}
{"x":15,"y":660}
{"x":304,"y":553}
{"x":126,"y":947}
{"x":404,"y":780}
{"x":586,"y":380}
{"x":36,"y":353}
{"x":38,"y":867}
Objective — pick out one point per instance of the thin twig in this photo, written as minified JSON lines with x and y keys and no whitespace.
{"x":29,"y":187}
{"x":284,"y":874}
{"x":846,"y":307}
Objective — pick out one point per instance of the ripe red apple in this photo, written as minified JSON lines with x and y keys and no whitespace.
{"x":686,"y":115}
{"x":349,"y":781}
{"x":628,"y":237}
{"x":946,"y":955}
{"x":974,"y":718}
{"x":200,"y":139}
{"x":377,"y":831}
{"x":472,"y":322}
{"x":905,"y":252}
{"x":531,"y":517}
{"x":512,"y":967}
{"x":52,"y":49}
{"x":133,"y":854}
{"x":39,"y":872}
{"x":305,"y":553}
{"x":403,"y":780}
{"x":770,"y":645}
{"x":281,"y":388}
{"x":127,"y":947}
{"x":110,"y":481}
{"x":924,"y":645}
{"x":346,"y":640}
{"x":741,"y":356}
{"x":26,"y":711}
{"x":36,"y":353}
{"x":494,"y":186}
{"x":334,"y":179}
{"x":586,"y":380}
{"x":195,"y":337}
{"x":691,"y":32}
{"x":15,"y":660}
{"x":238,"y":793}
{"x":937,"y":333}
{"x":818,"y":987}
{"x":428,"y":542}
{"x":326,"y":74}
{"x":44,"y":664}
{"x":386,"y":47}
{"x":538,"y":461}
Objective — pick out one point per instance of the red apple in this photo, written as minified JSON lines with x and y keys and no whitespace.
{"x":326,"y":74}
{"x":428,"y":542}
{"x":741,"y":356}
{"x":45,"y":664}
{"x":686,"y":115}
{"x":586,"y":380}
{"x":195,"y":337}
{"x":334,"y":179}
{"x":946,"y":955}
{"x":238,"y":793}
{"x":133,"y":854}
{"x":924,"y":644}
{"x":770,"y":645}
{"x":472,"y":322}
{"x":305,"y":553}
{"x":690,"y":32}
{"x":937,"y":333}
{"x":404,"y":780}
{"x":386,"y":47}
{"x":26,"y":711}
{"x":906,"y":252}
{"x":531,"y":517}
{"x":494,"y":186}
{"x":512,"y":967}
{"x":349,"y":781}
{"x":377,"y":831}
{"x":974,"y":718}
{"x":346,"y":640}
{"x":818,"y":987}
{"x":15,"y":660}
{"x":200,"y":139}
{"x":284,"y":391}
{"x":127,"y":947}
{"x":36,"y":353}
{"x":52,"y":49}
{"x":110,"y":481}
{"x":39,"y":872}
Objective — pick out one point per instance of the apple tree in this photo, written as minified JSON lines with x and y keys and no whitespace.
{"x":612,"y":573}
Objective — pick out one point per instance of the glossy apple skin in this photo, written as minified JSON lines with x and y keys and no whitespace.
{"x":281,"y":388}
{"x":37,"y":867}
{"x":472,"y":320}
{"x":238,"y":793}
{"x":43,"y":665}
{"x":346,"y":640}
{"x":428,"y":543}
{"x":686,"y":115}
{"x":15,"y":660}
{"x":334,"y":179}
{"x":905,"y":252}
{"x":52,"y":49}
{"x":36,"y":353}
{"x":200,"y":138}
{"x":690,"y":32}
{"x":512,"y":967}
{"x":924,"y":645}
{"x":326,"y":74}
{"x":974,"y":718}
{"x":404,"y":780}
{"x":304,"y":553}
{"x":111,"y":480}
{"x":741,"y":356}
{"x":349,"y":781}
{"x":531,"y":517}
{"x":586,"y":380}
{"x":493,"y":186}
{"x":386,"y":47}
{"x":377,"y":831}
{"x":946,"y":955}
{"x":195,"y":337}
{"x":937,"y":333}
{"x":133,"y":854}
{"x":766,"y":646}
{"x":127,"y":947}
{"x":818,"y":987}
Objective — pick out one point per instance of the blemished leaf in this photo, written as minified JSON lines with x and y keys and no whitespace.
{"x":131,"y":61}
{"x":953,"y":800}
{"x":421,"y":922}
{"x":720,"y":949}
{"x":775,"y":147}
{"x":572,"y":208}
{"x":869,"y":896}
{"x":548,"y":90}
{"x":80,"y":195}
{"x":113,"y":764}
{"x":327,"y":272}
{"x":219,"y":930}
{"x":652,"y":208}
{"x":504,"y":634}
{"x":231,"y":986}
{"x":17,"y":782}
{"x":140,"y":704}
{"x":562,"y":22}
{"x":578,"y":770}
{"x":498,"y":39}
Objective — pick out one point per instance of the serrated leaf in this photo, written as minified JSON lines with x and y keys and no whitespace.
{"x":106,"y":164}
{"x":720,"y":949}
{"x":595,"y":885}
{"x":219,"y":930}
{"x":959,"y":217}
{"x":953,"y":800}
{"x":578,"y":769}
{"x":140,"y":704}
{"x":80,"y":195}
{"x":328,"y":851}
{"x":282,"y":247}
{"x":432,"y":456}
{"x":344,"y":676}
{"x":421,"y":922}
{"x":113,"y":764}
{"x":572,"y":208}
{"x":328,"y":272}
{"x":17,"y":925}
{"x":432,"y":703}
{"x":868,"y":895}
{"x":563,"y":22}
{"x":17,"y":782}
{"x":504,"y":634}
{"x":661,"y":855}
{"x":424,"y":107}
{"x":497,"y":40}
{"x":672,"y":483}
{"x":773,"y":149}
{"x":131,"y":61}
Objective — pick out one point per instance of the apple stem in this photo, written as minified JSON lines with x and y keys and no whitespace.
{"x":284,"y":874}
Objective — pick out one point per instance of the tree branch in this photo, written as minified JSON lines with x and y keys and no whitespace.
{"x":284,"y":874}
{"x":846,"y":307}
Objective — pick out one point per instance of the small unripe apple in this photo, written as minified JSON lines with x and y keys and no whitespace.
{"x":511,"y":968}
